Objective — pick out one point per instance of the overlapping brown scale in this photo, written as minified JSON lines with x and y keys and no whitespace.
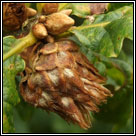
{"x":91,"y":106}
{"x":85,"y":73}
{"x":29,"y":96}
{"x":48,"y":81}
{"x":82,"y":60}
{"x":75,"y":81}
{"x":63,"y":81}
{"x":39,"y":79}
{"x":73,"y":111}
{"x":105,"y":91}
{"x":46,"y":62}
{"x":64,"y":59}
{"x":49,"y":48}
{"x":86,"y":115}
{"x":73,"y":119}
{"x":86,"y":100}
{"x":67,"y":46}
{"x":29,"y":55}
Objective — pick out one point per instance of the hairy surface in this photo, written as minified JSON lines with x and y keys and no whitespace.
{"x":59,"y":78}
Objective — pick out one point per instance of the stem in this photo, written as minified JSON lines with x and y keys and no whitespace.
{"x":20,"y":44}
{"x":91,"y":26}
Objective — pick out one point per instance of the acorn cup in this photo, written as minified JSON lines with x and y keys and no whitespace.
{"x":53,"y":24}
{"x":59,"y":78}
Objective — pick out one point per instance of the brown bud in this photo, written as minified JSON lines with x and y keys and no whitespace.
{"x":98,"y":8}
{"x":50,"y":8}
{"x":39,"y":31}
{"x":42,"y":19}
{"x":58,"y":23}
{"x":66,"y":11}
{"x":31,"y":12}
{"x":50,"y":39}
{"x":14,"y":15}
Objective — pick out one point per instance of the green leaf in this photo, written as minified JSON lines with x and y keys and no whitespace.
{"x":114,"y":6}
{"x":7,"y":118}
{"x":83,"y":10}
{"x":10,"y":95}
{"x":125,"y":128}
{"x":124,"y":67}
{"x":119,"y":108}
{"x":25,"y":110}
{"x":107,"y":33}
{"x":101,"y":67}
{"x":117,"y":76}
{"x":126,"y":53}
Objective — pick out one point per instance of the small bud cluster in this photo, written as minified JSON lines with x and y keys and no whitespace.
{"x":52,"y":22}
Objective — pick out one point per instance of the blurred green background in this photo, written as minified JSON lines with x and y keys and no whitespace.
{"x":42,"y":122}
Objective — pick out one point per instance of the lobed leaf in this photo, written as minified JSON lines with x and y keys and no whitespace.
{"x":107,"y":33}
{"x":11,"y":67}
